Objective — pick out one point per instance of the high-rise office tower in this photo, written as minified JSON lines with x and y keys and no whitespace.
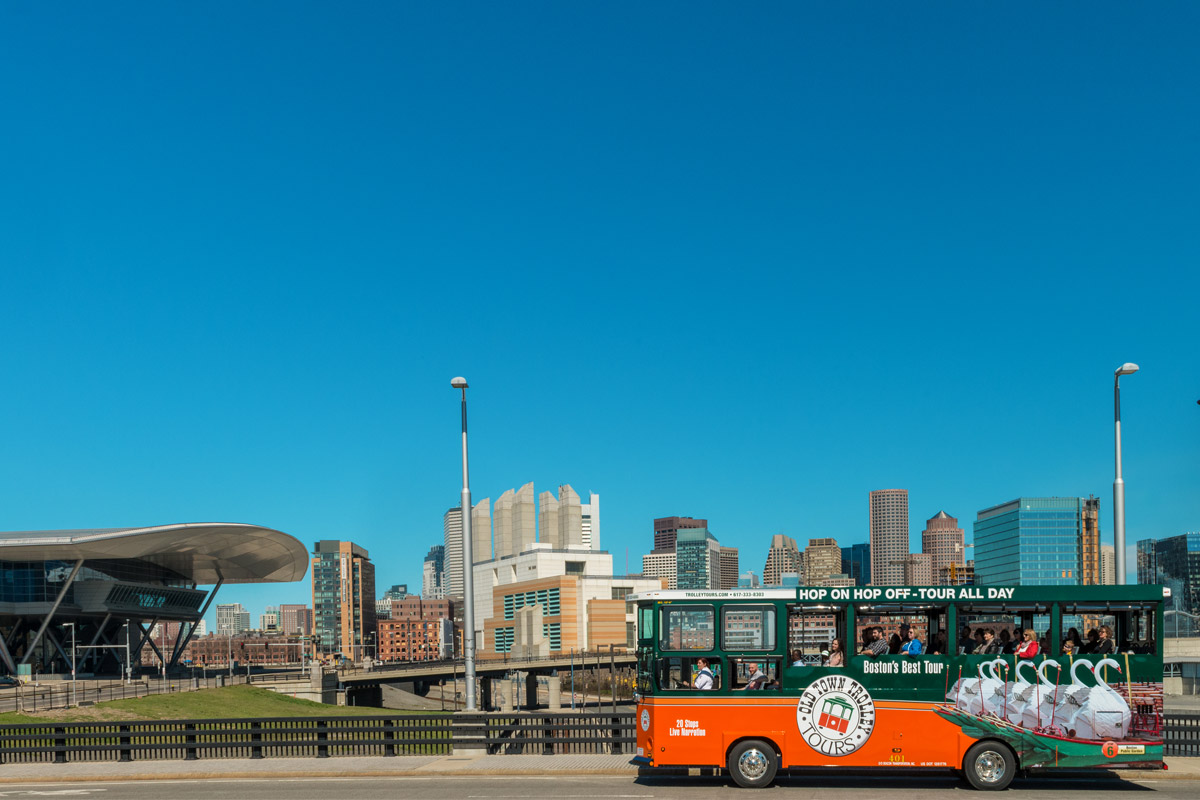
{"x":660,"y":564}
{"x":666,"y":528}
{"x":1089,"y":542}
{"x":295,"y":618}
{"x":343,"y":591}
{"x":268,"y":621}
{"x":783,"y":556}
{"x":856,"y":563}
{"x":889,"y":535}
{"x":452,"y":535}
{"x":431,"y":572}
{"x":1036,"y":541}
{"x":1174,"y":562}
{"x":942,"y":540}
{"x":697,"y":559}
{"x":1108,"y":565}
{"x":232,"y":619}
{"x":590,"y":522}
{"x":481,"y":531}
{"x":729,"y":568}
{"x":822,"y":560}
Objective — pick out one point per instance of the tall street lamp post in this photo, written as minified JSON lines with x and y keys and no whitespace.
{"x":467,"y":563}
{"x":1118,"y":483}
{"x":74,"y":696}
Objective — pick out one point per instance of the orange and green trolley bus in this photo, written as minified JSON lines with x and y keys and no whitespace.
{"x":979,"y":679}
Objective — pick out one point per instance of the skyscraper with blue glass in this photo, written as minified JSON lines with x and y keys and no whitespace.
{"x":1038,"y":541}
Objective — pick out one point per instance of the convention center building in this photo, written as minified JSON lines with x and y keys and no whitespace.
{"x":99,"y":593}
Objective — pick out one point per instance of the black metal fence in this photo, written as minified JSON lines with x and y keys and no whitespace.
{"x":1181,"y":735}
{"x":428,"y":734}
{"x":545,"y":733}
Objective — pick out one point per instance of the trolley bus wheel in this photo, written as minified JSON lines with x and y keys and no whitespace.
{"x":753,"y":763}
{"x":990,"y":766}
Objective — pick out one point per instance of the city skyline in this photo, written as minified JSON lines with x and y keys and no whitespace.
{"x":685,"y":264}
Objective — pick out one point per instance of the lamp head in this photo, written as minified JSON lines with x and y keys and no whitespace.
{"x":461,"y":383}
{"x":1127,"y":368}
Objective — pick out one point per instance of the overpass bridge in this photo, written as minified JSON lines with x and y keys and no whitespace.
{"x":365,"y":683}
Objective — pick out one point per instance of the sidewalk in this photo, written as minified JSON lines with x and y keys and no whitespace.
{"x":397,"y":766}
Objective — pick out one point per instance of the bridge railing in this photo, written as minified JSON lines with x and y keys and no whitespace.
{"x":387,"y":735}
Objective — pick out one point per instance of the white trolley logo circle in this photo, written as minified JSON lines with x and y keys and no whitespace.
{"x":835,"y":715}
{"x":645,"y":719}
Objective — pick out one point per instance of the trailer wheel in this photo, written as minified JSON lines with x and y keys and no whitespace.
{"x":753,"y":763}
{"x":990,"y":766}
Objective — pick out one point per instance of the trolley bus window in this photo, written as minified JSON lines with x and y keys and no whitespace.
{"x":901,"y":624}
{"x":684,"y":673}
{"x":746,"y":627}
{"x":1131,"y":624}
{"x":811,"y":630}
{"x":687,"y":628}
{"x":646,"y":622}
{"x":1003,"y":620}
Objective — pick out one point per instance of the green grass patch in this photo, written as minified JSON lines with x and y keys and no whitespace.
{"x":230,"y":702}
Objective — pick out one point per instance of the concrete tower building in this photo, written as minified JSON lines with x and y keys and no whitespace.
{"x":548,"y":520}
{"x":570,"y":519}
{"x":452,"y":577}
{"x":942,"y":540}
{"x":503,"y":514}
{"x":481,"y":531}
{"x":784,"y":556}
{"x":889,"y":536}
{"x":524,"y":517}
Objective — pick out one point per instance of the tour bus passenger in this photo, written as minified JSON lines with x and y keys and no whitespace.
{"x":797,"y":659}
{"x":757,"y":678}
{"x":1029,"y":647}
{"x":837,"y":656}
{"x":876,"y":646}
{"x":1105,"y":644}
{"x":990,"y":645}
{"x":704,"y":678}
{"x":894,"y":645}
{"x":913,"y":646}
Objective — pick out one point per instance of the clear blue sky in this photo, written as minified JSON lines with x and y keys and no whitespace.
{"x":739,"y":263}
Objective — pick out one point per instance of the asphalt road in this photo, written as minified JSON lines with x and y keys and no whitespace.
{"x":587,"y":788}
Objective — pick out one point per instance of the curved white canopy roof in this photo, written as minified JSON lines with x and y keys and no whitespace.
{"x":203,"y":552}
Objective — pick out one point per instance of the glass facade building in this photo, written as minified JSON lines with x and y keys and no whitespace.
{"x":856,"y":562}
{"x":697,"y":559}
{"x":1173,"y":562}
{"x":1035,"y":541}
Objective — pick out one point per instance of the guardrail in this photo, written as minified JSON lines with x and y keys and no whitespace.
{"x":545,"y":733}
{"x":1181,"y":735}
